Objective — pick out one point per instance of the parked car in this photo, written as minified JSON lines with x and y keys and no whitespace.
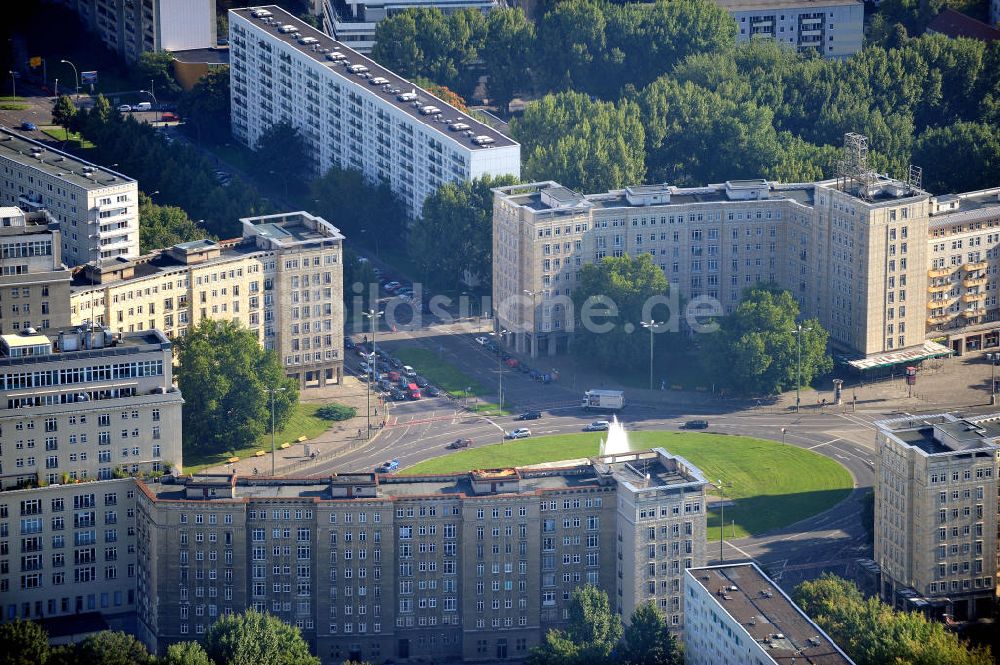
{"x":396,"y":362}
{"x":396,"y":394}
{"x":170,"y":116}
{"x":409,"y":371}
{"x":529,"y":415}
{"x":124,"y":108}
{"x":431,"y":391}
{"x":28,"y":126}
{"x":459,"y":443}
{"x":394,"y":376}
{"x":391,"y":286}
{"x":519,"y":433}
{"x":414,"y":391}
{"x":388,"y":467}
{"x":597,"y":426}
{"x":348,"y":343}
{"x":695,"y":424}
{"x":482,"y":340}
{"x":421,"y":381}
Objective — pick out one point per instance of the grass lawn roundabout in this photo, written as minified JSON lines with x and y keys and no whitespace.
{"x":770,"y":484}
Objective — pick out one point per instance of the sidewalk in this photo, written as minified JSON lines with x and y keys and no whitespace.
{"x":341,"y":437}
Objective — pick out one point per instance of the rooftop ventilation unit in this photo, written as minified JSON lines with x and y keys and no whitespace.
{"x":335,"y":56}
{"x":429,"y":109}
{"x":483,"y":140}
{"x":407,"y":97}
{"x":378,"y":80}
{"x":357,"y":69}
{"x":285,"y":29}
{"x":306,"y":41}
{"x":260,"y":13}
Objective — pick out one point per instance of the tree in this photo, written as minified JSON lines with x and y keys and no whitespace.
{"x":254,"y":638}
{"x":571,"y":44}
{"x":591,"y":635}
{"x":507,"y":54}
{"x":755,"y":350}
{"x":186,"y":653}
{"x":648,"y":640}
{"x":164,"y":226}
{"x":23,"y":642}
{"x":206,"y":107}
{"x":157,"y":68}
{"x":627,"y":284}
{"x":281,"y":151}
{"x":964,"y":156}
{"x":361,"y":209}
{"x":581,"y":143}
{"x":452,"y":241}
{"x":224,"y":375}
{"x":113,"y":648}
{"x":63,"y":113}
{"x":444,"y":93}
{"x":873,"y":633}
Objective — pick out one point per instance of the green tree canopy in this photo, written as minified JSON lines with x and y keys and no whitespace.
{"x":755,"y":349}
{"x":872,"y":633}
{"x":583,"y":144}
{"x":113,"y":648}
{"x":157,"y":67}
{"x":253,"y":638}
{"x":647,"y":639}
{"x":591,"y":635}
{"x":638,"y":289}
{"x":964,"y":156}
{"x":370,"y":214}
{"x":507,"y":54}
{"x":63,"y":113}
{"x":23,"y":642}
{"x":282,"y":154}
{"x":452,"y":241}
{"x":164,"y":226}
{"x":224,"y":374}
{"x":186,"y":653}
{"x":206,"y":107}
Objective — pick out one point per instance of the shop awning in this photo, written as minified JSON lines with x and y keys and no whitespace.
{"x":911,"y":355}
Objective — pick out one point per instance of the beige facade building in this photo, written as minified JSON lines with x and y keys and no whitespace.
{"x":936,"y":513}
{"x":855,"y":258}
{"x":97,"y":208}
{"x":34,"y":283}
{"x":79,"y":403}
{"x":474,"y":566}
{"x":283,"y":280}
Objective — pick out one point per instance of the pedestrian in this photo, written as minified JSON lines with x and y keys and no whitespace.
{"x":255,"y":471}
{"x":663,"y":384}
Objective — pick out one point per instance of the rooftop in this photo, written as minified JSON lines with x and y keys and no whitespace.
{"x":58,"y":344}
{"x":770,"y":617}
{"x":944,"y":433}
{"x":376,"y":79}
{"x":956,"y":24}
{"x":958,"y":208}
{"x":207,"y":56}
{"x":73,"y":170}
{"x":878,"y":189}
{"x":290,"y":228}
{"x":804,"y":5}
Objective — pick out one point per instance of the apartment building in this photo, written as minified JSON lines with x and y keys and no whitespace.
{"x":97,"y":208}
{"x":34,"y":283}
{"x":855,"y":258}
{"x":353,"y":22}
{"x":936,"y":513}
{"x":353,"y":112}
{"x":830,"y":28}
{"x":283,"y":279}
{"x":70,"y":551}
{"x":474,"y":566}
{"x":737,"y":615}
{"x":132,"y":27}
{"x":80,"y":403}
{"x":964,"y":257}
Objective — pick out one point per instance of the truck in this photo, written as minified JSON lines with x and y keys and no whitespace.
{"x":613,"y":400}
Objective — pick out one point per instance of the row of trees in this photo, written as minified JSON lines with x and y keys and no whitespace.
{"x":752,"y":351}
{"x":873,"y":633}
{"x":163,"y":226}
{"x":251,"y":638}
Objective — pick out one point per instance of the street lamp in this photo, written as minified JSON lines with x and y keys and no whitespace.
{"x":798,"y":363}
{"x":271,"y":392}
{"x":994,"y":359}
{"x":499,"y":335}
{"x":651,"y":326}
{"x":374,"y":316}
{"x":13,"y":85}
{"x":722,"y":519}
{"x":155,"y":103}
{"x":76,"y":75}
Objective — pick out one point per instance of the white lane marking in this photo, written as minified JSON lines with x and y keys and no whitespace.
{"x":824,"y":443}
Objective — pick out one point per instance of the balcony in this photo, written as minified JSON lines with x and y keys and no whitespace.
{"x":941,"y":272}
{"x":939,"y":288}
{"x":970,"y":282}
{"x":940,"y":319}
{"x":973,"y":266}
{"x":974,"y":314}
{"x":972,"y":297}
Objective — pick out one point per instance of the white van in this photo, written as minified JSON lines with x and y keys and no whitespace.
{"x":143,"y":106}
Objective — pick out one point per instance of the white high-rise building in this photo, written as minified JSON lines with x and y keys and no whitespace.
{"x":97,"y":208}
{"x":830,"y":28}
{"x":353,"y":112}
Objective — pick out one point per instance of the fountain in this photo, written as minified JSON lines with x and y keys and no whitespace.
{"x":617,"y":441}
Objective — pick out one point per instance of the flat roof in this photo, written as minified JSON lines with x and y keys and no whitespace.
{"x":769,"y":616}
{"x":326,"y":44}
{"x":124,"y":343}
{"x":203,"y":56}
{"x":804,"y":5}
{"x":54,"y":162}
{"x":926,"y":350}
{"x":944,"y":433}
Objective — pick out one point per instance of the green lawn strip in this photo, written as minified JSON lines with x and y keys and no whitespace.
{"x":772,"y":484}
{"x":13,"y":106}
{"x":446,"y":376}
{"x":59,"y":134}
{"x":303,"y":422}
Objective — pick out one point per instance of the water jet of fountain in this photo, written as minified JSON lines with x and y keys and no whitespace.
{"x":617,"y":441}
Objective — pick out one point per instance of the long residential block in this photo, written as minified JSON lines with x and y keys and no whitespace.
{"x":79,"y":403}
{"x":353,"y":112}
{"x":34,"y":283}
{"x":936,"y":513}
{"x":474,"y":566}
{"x":97,"y":208}
{"x":283,"y":280}
{"x":829,"y":28}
